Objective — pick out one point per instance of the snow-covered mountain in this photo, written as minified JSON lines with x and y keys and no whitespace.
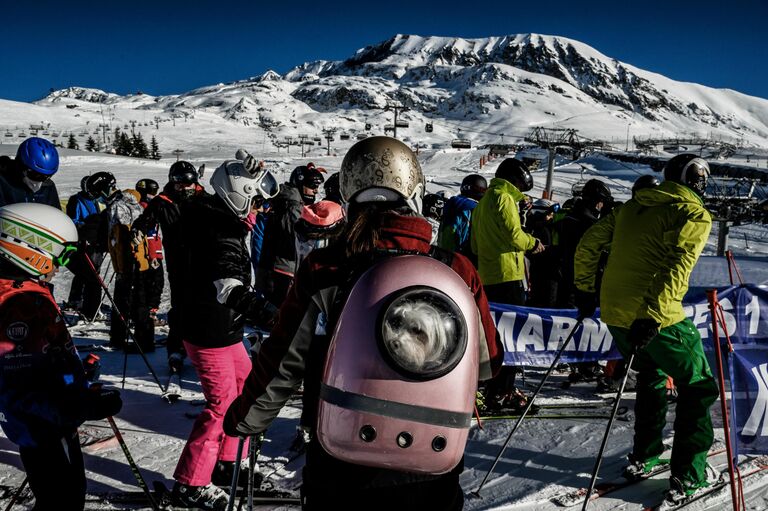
{"x":482,"y":88}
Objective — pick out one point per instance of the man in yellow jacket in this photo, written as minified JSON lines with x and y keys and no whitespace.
{"x":500,"y":243}
{"x":498,"y":238}
{"x":654,"y":241}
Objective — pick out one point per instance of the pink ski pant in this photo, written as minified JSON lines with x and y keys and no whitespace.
{"x":222,"y":372}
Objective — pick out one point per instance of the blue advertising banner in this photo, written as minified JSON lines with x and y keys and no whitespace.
{"x":532,"y":337}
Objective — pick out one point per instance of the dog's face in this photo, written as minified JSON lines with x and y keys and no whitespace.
{"x":418,"y":336}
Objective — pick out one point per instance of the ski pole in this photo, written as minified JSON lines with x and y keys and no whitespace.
{"x":599,"y":460}
{"x":235,"y":474}
{"x":251,"y":464}
{"x":101,"y":300}
{"x":125,"y":322}
{"x":17,"y":494}
{"x":134,"y":468}
{"x":529,"y":404}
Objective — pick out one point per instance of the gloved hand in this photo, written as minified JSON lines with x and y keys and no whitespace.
{"x":586,"y":302}
{"x":642,"y":332}
{"x":263,"y":316}
{"x":101,"y":403}
{"x":137,"y":237}
{"x":231,"y":420}
{"x":537,"y":248}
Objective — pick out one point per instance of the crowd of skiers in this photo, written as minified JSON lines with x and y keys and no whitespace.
{"x":273,"y":256}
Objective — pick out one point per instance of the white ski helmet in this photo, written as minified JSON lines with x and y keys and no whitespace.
{"x":238,"y":184}
{"x":35,"y":237}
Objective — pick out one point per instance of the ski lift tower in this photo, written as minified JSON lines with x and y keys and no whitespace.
{"x":328,"y":132}
{"x":397,"y":108}
{"x":550,"y":139}
{"x":178,"y":153}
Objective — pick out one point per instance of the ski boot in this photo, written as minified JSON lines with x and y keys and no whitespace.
{"x":175,"y":362}
{"x":302,"y":439}
{"x":681,"y":491}
{"x":637,"y":470}
{"x":209,"y":497}
{"x":223,"y":471}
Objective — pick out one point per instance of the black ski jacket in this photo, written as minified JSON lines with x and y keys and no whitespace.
{"x":165,"y":210}
{"x":278,"y":252}
{"x":570,"y":231}
{"x":218,"y":251}
{"x":13,"y":190}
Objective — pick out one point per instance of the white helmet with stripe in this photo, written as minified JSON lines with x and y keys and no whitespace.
{"x":35,"y":237}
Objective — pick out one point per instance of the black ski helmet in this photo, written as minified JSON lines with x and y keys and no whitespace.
{"x":432,"y":206}
{"x":517,"y":173}
{"x":333,"y":188}
{"x":306,"y":176}
{"x":82,"y":183}
{"x":182,"y":172}
{"x":474,"y":186}
{"x":645,"y":181}
{"x":101,"y":185}
{"x":147,"y":187}
{"x":595,"y":191}
{"x":688,"y":170}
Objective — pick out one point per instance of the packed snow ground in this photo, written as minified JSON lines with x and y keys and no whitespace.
{"x":546,"y":457}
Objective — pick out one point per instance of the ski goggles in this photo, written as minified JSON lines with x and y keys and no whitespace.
{"x":34,"y":175}
{"x":268,"y":185}
{"x":66,"y":255}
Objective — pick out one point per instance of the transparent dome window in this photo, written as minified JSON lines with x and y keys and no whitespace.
{"x":423,"y":333}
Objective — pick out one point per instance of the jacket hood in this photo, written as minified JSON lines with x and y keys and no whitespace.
{"x":505,"y":186}
{"x":667,"y":192}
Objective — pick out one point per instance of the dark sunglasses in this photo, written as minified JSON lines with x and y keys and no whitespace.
{"x":34,"y":175}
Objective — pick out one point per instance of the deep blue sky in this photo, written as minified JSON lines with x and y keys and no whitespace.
{"x":171,"y":46}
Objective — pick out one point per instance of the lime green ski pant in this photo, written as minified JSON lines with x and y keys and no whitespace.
{"x":676,"y":352}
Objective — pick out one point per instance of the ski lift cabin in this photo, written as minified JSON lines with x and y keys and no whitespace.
{"x":344,"y":136}
{"x":461,"y":143}
{"x":317,"y":139}
{"x":428,"y":128}
{"x":388,"y":128}
{"x":361,"y":136}
{"x":367,"y":126}
{"x":401,"y":123}
{"x":8,"y":134}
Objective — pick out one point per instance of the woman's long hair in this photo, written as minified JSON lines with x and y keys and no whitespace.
{"x":364,"y":224}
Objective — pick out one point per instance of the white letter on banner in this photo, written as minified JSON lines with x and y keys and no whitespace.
{"x":532,"y":333}
{"x":753,"y":311}
{"x":760,"y":409}
{"x":701,"y":316}
{"x":506,"y":328}
{"x":730,"y":320}
{"x":561,"y":327}
{"x":595,"y":336}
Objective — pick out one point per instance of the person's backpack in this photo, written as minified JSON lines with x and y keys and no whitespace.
{"x":399,"y":382}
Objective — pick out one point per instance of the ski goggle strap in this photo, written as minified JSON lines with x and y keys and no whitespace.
{"x":65,"y":256}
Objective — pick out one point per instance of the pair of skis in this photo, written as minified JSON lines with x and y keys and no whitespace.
{"x":551,"y":411}
{"x":748,"y":469}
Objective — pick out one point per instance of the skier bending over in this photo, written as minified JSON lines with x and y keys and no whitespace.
{"x":384,"y":184}
{"x":655,"y":240}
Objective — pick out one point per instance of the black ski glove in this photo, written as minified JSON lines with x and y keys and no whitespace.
{"x":642,"y":332}
{"x":253,"y":306}
{"x":586,"y":302}
{"x":101,"y":403}
{"x":263,"y":317}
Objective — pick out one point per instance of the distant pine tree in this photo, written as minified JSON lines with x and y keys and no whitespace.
{"x":140,"y":149}
{"x":116,"y":141}
{"x":90,"y":144}
{"x":71,"y":142}
{"x":154,"y":149}
{"x":125,"y":145}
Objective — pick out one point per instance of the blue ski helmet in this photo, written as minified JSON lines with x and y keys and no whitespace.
{"x":39,"y":155}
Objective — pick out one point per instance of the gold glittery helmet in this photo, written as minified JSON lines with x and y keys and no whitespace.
{"x":379,"y":166}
